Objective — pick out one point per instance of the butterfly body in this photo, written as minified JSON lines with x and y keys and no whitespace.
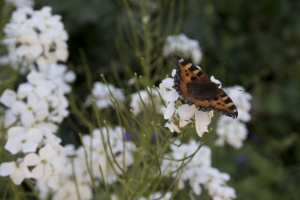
{"x":195,"y":87}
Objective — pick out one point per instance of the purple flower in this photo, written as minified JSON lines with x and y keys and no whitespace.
{"x":153,"y":137}
{"x":127,"y":136}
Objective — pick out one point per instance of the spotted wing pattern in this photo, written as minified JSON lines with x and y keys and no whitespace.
{"x":195,"y":87}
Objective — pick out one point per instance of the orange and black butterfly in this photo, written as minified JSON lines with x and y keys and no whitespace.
{"x":195,"y":87}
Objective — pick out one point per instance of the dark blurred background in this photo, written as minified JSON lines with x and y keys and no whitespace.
{"x":250,"y":43}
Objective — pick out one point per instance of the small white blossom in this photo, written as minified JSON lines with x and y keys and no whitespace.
{"x":17,"y":171}
{"x":41,"y":87}
{"x":195,"y":167}
{"x":48,"y":165}
{"x":149,"y":98}
{"x":22,"y":139}
{"x":104,"y":93}
{"x":98,"y":147}
{"x":33,"y":111}
{"x":59,"y":76}
{"x":231,"y":131}
{"x":181,"y":44}
{"x":35,"y":38}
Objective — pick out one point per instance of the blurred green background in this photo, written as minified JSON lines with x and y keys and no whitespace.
{"x":250,"y":43}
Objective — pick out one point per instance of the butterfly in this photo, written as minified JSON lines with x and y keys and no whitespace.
{"x":195,"y":87}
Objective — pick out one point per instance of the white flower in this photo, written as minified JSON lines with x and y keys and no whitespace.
{"x":104,"y":153}
{"x":242,"y":101}
{"x":202,"y":119}
{"x":36,"y":84}
{"x":22,"y":139}
{"x":67,"y":191}
{"x":58,"y":75}
{"x":48,"y":164}
{"x":231,"y":131}
{"x":70,"y":150}
{"x":181,"y":44}
{"x":195,"y":167}
{"x":16,"y":170}
{"x":170,"y":95}
{"x":104,"y":93}
{"x":35,"y":110}
{"x":149,"y":98}
{"x":35,"y":38}
{"x":59,"y":105}
{"x":234,"y":132}
{"x":8,"y":97}
{"x":9,"y":118}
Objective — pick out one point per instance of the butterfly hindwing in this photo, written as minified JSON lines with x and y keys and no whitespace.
{"x":195,"y":87}
{"x":223,"y":104}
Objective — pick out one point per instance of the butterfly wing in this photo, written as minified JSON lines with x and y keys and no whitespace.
{"x":222,"y":103}
{"x":195,"y":87}
{"x":187,"y":75}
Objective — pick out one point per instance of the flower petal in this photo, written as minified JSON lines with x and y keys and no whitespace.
{"x":13,"y":145}
{"x":171,"y":95}
{"x":27,"y":118}
{"x":202,"y":118}
{"x":34,"y":134}
{"x":31,"y":159}
{"x":25,"y":171}
{"x":186,"y":112}
{"x":7,"y":168}
{"x":170,"y":110}
{"x":16,"y":132}
{"x":216,"y":81}
{"x":200,"y":129}
{"x":17,"y":176}
{"x":38,"y":171}
{"x":8,"y":97}
{"x":168,"y":83}
{"x":24,"y":89}
{"x":29,"y":146}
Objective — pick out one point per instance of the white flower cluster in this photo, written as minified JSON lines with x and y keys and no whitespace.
{"x":104,"y":94}
{"x":35,"y":38}
{"x":194,"y":165}
{"x":104,"y":152}
{"x":34,"y":110}
{"x":46,"y":164}
{"x":179,"y":115}
{"x":149,"y":98}
{"x":234,"y":131}
{"x":180,"y":44}
{"x":41,"y":99}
